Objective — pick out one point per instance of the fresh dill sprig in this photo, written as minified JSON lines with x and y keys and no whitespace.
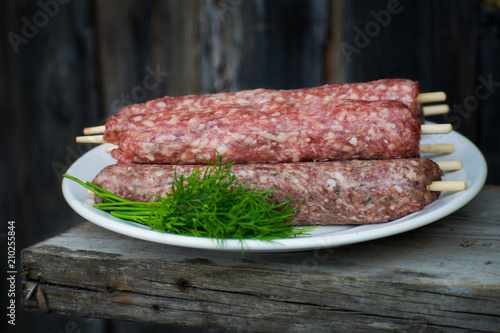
{"x":210,"y":202}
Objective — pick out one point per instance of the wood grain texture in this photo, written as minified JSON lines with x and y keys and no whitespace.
{"x":49,"y":93}
{"x":50,"y":96}
{"x":489,"y":68}
{"x":334,"y":60}
{"x":454,"y":50}
{"x":124,"y":52}
{"x":283,"y":44}
{"x":440,"y":277}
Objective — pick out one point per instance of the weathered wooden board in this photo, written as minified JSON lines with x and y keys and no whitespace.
{"x":445,"y":276}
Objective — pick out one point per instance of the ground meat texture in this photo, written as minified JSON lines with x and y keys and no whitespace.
{"x":283,"y":133}
{"x":339,"y":192}
{"x":193,"y":102}
{"x":402,"y":90}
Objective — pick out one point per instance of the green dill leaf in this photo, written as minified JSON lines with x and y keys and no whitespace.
{"x":210,"y":202}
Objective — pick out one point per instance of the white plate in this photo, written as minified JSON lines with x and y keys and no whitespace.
{"x":473,"y":172}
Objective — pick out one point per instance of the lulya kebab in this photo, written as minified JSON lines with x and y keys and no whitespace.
{"x":280,"y":132}
{"x":403,"y":90}
{"x":326,"y":193}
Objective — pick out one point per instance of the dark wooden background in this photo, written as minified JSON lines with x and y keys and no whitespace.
{"x":67,"y":64}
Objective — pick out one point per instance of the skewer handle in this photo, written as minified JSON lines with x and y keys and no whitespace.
{"x":94,"y":130}
{"x":437,"y":96}
{"x":437,"y":129}
{"x":449,"y":165}
{"x":444,"y":148}
{"x":452,"y":185}
{"x":432,"y":110}
{"x":90,"y":139}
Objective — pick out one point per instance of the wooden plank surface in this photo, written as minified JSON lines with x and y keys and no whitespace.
{"x":444,"y":276}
